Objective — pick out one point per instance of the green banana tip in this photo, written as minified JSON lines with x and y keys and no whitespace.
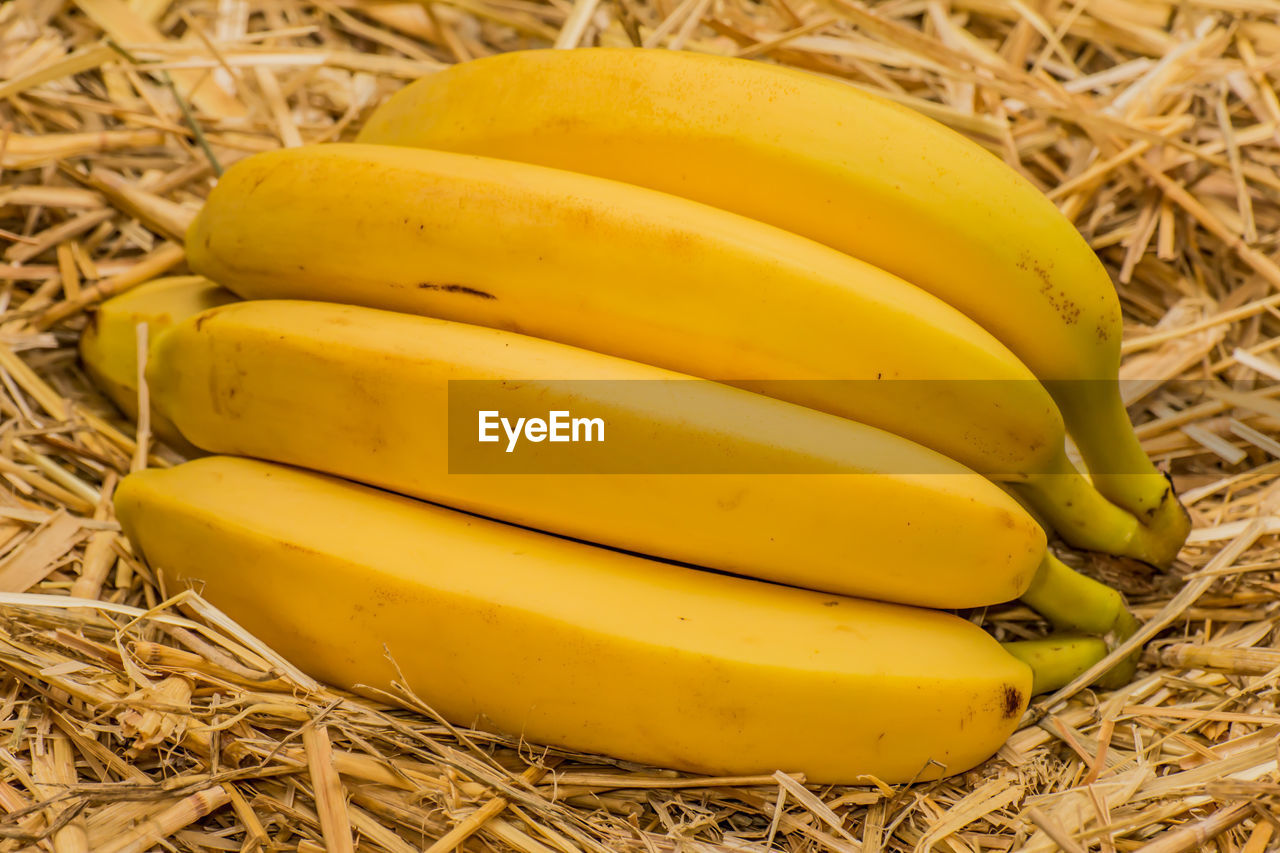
{"x":1126,"y":625}
{"x":1058,"y":659}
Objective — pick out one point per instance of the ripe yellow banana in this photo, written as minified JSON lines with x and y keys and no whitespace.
{"x":800,"y":497}
{"x":108,"y":345}
{"x":830,"y":162}
{"x":647,"y":276}
{"x":567,"y":644}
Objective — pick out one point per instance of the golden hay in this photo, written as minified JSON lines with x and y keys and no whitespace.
{"x":148,"y":722}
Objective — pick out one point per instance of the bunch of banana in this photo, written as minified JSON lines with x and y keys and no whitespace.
{"x":855,"y":443}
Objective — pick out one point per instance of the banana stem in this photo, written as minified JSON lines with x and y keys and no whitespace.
{"x":1073,"y":602}
{"x":1095,"y":416}
{"x":1056,"y":660}
{"x":1085,"y":519}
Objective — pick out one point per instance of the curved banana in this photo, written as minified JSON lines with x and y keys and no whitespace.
{"x":687,"y":470}
{"x":833,"y":163}
{"x":108,"y":344}
{"x":647,"y":276}
{"x":571,"y":645}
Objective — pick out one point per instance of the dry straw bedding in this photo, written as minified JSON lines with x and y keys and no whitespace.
{"x":151,"y":722}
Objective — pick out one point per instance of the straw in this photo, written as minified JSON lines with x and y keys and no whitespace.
{"x":132,"y":720}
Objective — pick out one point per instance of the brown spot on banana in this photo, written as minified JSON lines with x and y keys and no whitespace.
{"x":1011,"y":702}
{"x":456,"y":288}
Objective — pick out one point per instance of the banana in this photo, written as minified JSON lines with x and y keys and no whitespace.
{"x":643,"y":275}
{"x":108,"y":345}
{"x":833,"y":163}
{"x":566,"y":644}
{"x":794,"y":495}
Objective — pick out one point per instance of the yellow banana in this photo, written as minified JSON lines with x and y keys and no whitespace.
{"x":108,"y":345}
{"x":794,"y":495}
{"x":647,"y":276}
{"x":833,"y":163}
{"x":567,"y":644}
